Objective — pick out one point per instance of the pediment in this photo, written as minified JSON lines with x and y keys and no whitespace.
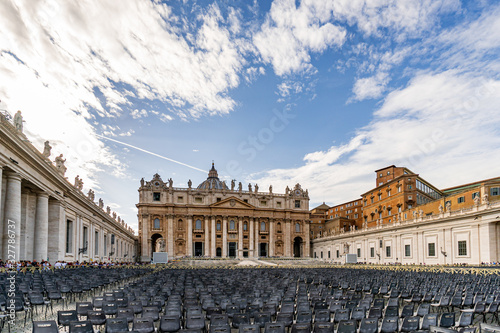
{"x":232,"y":202}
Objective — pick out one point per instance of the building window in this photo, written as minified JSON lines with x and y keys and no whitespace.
{"x":245,"y":200}
{"x":355,"y":216}
{"x":461,"y":199}
{"x":380,"y":243}
{"x":409,"y":187}
{"x":262,"y":226}
{"x":218,"y":226}
{"x":462,"y":248}
{"x":297,"y":203}
{"x":338,"y":254}
{"x":389,"y":193}
{"x":198,"y":200}
{"x":388,"y":251}
{"x":380,"y":175}
{"x":179,"y":225}
{"x":494,"y":191}
{"x":474,"y":195}
{"x":380,"y":215}
{"x":69,"y":236}
{"x":372,"y":252}
{"x":278,"y":204}
{"x":96,"y":243}
{"x":371,"y":199}
{"x":156,"y":224}
{"x":431,"y":249}
{"x":399,"y":209}
{"x":197,"y":224}
{"x":321,"y":254}
{"x":407,"y":250}
{"x":329,"y":255}
{"x":156,"y":196}
{"x":399,"y":189}
{"x":219,"y":199}
{"x":297,"y":227}
{"x":245,"y":226}
{"x":232,"y":225}
{"x":379,"y":196}
{"x":263,"y":203}
{"x":180,"y":199}
{"x":359,"y":253}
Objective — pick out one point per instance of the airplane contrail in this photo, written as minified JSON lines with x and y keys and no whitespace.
{"x":151,"y":153}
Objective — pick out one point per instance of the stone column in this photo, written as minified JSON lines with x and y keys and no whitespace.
{"x":213,"y":252}
{"x":288,"y":241}
{"x":206,"y":248}
{"x":240,"y":237}
{"x":256,"y":251}
{"x":307,"y":240}
{"x":28,"y":214}
{"x":56,"y":231}
{"x":12,"y":219}
{"x":189,"y":236}
{"x":271,"y":237}
{"x":251,"y":241}
{"x":145,"y":254}
{"x":224,"y":236}
{"x":170,"y":236}
{"x":41,"y":227}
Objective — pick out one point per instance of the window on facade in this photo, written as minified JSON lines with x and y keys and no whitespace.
{"x":409,"y":187}
{"x":219,"y":199}
{"x":431,"y":249}
{"x":494,"y":191}
{"x":297,"y":203}
{"x":245,"y":226}
{"x":156,"y":196}
{"x":69,"y":236}
{"x":380,"y":243}
{"x":359,"y":253}
{"x":355,"y":216}
{"x":245,"y":200}
{"x":321,"y":254}
{"x":407,"y":250}
{"x":180,"y":199}
{"x":262,"y":226}
{"x":410,"y":197}
{"x":399,"y":209}
{"x":399,"y":189}
{"x":218,"y":226}
{"x":474,"y":195}
{"x":198,"y":200}
{"x":329,"y":255}
{"x":388,"y":251}
{"x":156,"y":223}
{"x":263,"y":203}
{"x":232,"y":225}
{"x":380,"y":215}
{"x":460,"y":199}
{"x":372,"y":252}
{"x":112,"y":239}
{"x":96,"y":243}
{"x":278,"y":204}
{"x":338,"y":254}
{"x":380,"y":175}
{"x":197,"y":224}
{"x":410,"y":206}
{"x":379,"y":196}
{"x":371,"y":200}
{"x":389,"y":193}
{"x":179,"y":224}
{"x":462,"y":248}
{"x":366,"y":218}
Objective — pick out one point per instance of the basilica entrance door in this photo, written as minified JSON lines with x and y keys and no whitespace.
{"x":198,"y":249}
{"x":232,"y":249}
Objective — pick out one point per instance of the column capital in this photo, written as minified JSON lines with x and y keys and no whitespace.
{"x":41,"y":194}
{"x":12,"y":175}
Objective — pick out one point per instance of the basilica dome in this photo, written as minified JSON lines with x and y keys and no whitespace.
{"x":213,"y":182}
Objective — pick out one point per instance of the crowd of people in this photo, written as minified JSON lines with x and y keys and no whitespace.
{"x":24,"y":265}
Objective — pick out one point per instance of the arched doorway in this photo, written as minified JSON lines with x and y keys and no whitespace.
{"x":297,"y":247}
{"x":157,"y":244}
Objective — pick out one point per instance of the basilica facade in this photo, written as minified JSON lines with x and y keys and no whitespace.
{"x":216,"y":220}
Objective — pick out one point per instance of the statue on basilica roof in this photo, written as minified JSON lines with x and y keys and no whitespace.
{"x":46,"y":149}
{"x":18,"y":121}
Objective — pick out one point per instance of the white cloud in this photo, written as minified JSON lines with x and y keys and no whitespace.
{"x":370,"y":87}
{"x":166,"y":118}
{"x":136,"y":114}
{"x":290,"y":33}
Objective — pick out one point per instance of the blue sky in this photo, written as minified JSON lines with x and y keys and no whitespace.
{"x":280,"y":92}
